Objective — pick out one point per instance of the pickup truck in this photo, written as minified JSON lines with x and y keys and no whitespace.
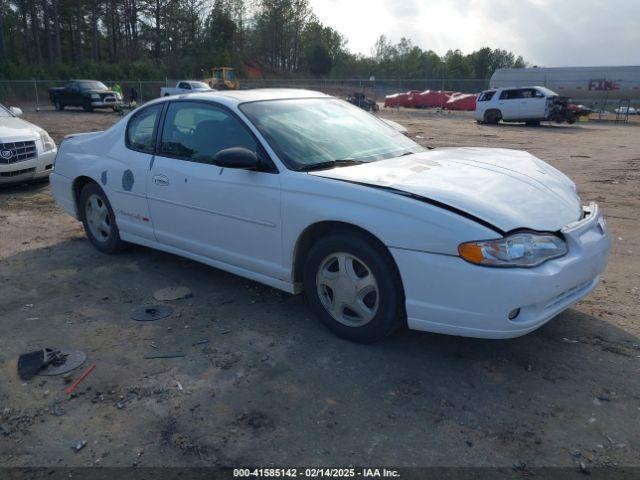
{"x":185,"y":86}
{"x":88,"y":94}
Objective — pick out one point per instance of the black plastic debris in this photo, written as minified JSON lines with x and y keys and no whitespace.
{"x":30,"y":364}
{"x":79,"y":446}
{"x":151,"y":313}
{"x":69,"y":360}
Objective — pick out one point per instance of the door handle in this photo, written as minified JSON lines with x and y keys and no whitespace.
{"x":161,"y":180}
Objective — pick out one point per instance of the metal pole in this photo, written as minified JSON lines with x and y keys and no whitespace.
{"x":140,"y":90}
{"x":35,"y":87}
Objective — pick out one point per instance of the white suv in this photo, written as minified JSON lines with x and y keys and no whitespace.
{"x":521,"y":104}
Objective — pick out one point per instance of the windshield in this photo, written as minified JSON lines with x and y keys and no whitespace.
{"x":200,"y":86}
{"x":93,"y":86}
{"x":4,"y":112}
{"x":309,"y":131}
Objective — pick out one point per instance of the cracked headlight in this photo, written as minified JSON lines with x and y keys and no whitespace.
{"x":521,"y":249}
{"x":47,"y":142}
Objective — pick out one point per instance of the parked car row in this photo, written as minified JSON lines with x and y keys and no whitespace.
{"x":432,"y":99}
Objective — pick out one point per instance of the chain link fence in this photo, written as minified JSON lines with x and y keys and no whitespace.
{"x":35,"y":93}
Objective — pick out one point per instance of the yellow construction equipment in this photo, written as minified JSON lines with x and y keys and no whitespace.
{"x":223,"y":78}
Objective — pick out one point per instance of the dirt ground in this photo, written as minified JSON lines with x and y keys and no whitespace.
{"x":263,"y":383}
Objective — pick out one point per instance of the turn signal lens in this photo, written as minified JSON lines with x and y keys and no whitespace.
{"x":523,"y":249}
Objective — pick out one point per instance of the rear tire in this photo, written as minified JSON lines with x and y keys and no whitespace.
{"x":99,"y":220}
{"x":492,"y":117}
{"x":352,"y":284}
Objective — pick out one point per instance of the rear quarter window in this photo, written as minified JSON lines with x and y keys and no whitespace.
{"x":486,"y":96}
{"x":141,"y":128}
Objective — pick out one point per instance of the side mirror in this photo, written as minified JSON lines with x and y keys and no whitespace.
{"x":237,"y":157}
{"x":16,"y":111}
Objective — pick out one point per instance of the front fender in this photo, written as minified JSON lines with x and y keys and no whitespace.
{"x":396,"y":220}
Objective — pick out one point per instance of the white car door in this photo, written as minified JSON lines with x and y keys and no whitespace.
{"x":508,"y":104}
{"x":532,"y":104}
{"x":125,"y":179}
{"x":228,"y":215}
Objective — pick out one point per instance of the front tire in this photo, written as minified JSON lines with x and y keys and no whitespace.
{"x":353,"y":286}
{"x":98,"y":219}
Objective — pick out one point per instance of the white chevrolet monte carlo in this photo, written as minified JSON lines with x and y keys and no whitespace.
{"x":302,"y":191}
{"x":27,"y":152}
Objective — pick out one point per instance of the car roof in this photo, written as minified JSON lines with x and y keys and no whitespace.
{"x":255,"y":95}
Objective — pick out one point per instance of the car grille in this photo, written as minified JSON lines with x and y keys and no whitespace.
{"x":15,"y":173}
{"x":108,"y":97}
{"x":20,"y":151}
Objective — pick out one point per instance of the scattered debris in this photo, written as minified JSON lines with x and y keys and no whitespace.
{"x":172,"y":293}
{"x":79,"y":446}
{"x":5,"y":432}
{"x":80,"y":379}
{"x":30,"y":364}
{"x":582,"y":468}
{"x":151,"y":313}
{"x":519,"y":466}
{"x":121,"y":403}
{"x":69,"y":360}
{"x":56,"y":410}
{"x":201,"y":342}
{"x":605,"y":395}
{"x":568,"y":340}
{"x":179,"y":386}
{"x":149,"y":356}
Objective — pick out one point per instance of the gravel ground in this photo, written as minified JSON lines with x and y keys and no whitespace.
{"x":263,"y":383}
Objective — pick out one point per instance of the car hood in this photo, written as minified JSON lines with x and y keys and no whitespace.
{"x":13,"y":129}
{"x":508,"y":189}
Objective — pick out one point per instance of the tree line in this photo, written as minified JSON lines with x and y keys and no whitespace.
{"x":152,"y":39}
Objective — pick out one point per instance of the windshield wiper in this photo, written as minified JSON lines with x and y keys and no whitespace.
{"x":330,"y":164}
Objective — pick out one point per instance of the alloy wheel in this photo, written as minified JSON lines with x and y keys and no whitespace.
{"x":347,"y":289}
{"x":98,"y":218}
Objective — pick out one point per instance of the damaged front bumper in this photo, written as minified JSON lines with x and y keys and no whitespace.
{"x":446,"y":294}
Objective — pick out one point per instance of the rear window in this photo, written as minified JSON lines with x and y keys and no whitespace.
{"x":486,"y":96}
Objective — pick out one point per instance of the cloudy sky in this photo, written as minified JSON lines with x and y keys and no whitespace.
{"x":545,"y":32}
